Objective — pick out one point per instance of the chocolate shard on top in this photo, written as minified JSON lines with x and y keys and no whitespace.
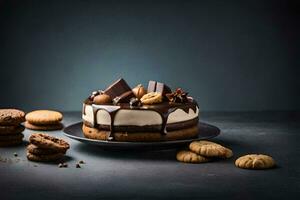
{"x":162,"y":88}
{"x":151,"y":86}
{"x":120,"y":92}
{"x":117,"y":88}
{"x":154,"y":86}
{"x":178,"y":96}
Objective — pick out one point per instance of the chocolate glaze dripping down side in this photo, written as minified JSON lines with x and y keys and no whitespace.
{"x":112,"y":113}
{"x":165,"y":116}
{"x":165,"y":111}
{"x":112,"y":120}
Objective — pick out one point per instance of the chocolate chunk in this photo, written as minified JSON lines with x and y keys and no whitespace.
{"x":162,"y":88}
{"x":117,"y":89}
{"x":151,"y":86}
{"x":178,"y":96}
{"x":135,"y":102}
{"x":78,"y":166}
{"x":123,"y":98}
{"x":81,"y":162}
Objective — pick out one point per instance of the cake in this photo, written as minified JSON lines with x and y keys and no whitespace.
{"x":120,"y":113}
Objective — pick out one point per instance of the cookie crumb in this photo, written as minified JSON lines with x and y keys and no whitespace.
{"x":78,"y":166}
{"x":15,"y":154}
{"x":81,"y":162}
{"x":65,"y":165}
{"x":60,"y":165}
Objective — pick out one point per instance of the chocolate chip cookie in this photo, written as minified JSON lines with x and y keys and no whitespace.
{"x":11,"y":117}
{"x":18,"y":136}
{"x":33,"y":149}
{"x":48,"y":142}
{"x":44,"y":158}
{"x":6,"y":130}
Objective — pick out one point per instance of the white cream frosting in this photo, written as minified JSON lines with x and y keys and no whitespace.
{"x":128,"y":117}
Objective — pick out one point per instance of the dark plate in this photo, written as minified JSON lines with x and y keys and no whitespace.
{"x":74,"y":131}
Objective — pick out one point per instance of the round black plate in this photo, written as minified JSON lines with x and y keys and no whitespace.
{"x":74,"y":131}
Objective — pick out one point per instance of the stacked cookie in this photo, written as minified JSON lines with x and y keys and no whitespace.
{"x":44,"y":120}
{"x":10,"y":127}
{"x":45,"y":148}
{"x":203,"y":151}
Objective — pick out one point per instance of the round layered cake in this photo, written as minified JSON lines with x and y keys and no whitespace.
{"x":123,"y":114}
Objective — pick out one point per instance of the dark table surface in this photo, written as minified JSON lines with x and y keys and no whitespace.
{"x":157,"y":174}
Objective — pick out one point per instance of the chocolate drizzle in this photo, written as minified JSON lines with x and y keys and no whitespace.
{"x":163,"y":109}
{"x":112,"y":110}
{"x":164,"y":117}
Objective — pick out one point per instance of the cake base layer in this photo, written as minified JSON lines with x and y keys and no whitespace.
{"x":98,"y":134}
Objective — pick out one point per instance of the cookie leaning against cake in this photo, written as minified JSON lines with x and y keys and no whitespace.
{"x":10,"y":127}
{"x":44,"y":120}
{"x":204,"y":151}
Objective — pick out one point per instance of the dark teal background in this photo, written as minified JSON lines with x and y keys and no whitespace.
{"x":229,"y":55}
